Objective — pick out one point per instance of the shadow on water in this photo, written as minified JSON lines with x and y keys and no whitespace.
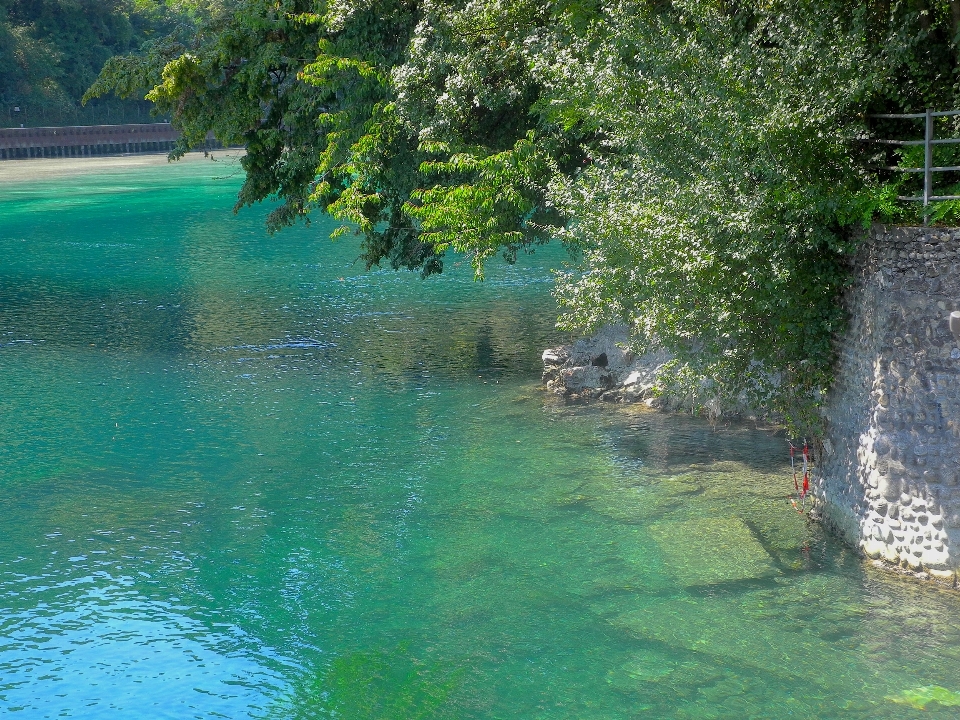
{"x":65,"y":316}
{"x":668,"y":442}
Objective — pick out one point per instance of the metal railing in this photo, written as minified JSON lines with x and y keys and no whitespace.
{"x":928,"y":142}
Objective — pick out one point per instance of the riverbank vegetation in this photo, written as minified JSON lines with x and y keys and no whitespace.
{"x":52,"y":50}
{"x":703,"y":159}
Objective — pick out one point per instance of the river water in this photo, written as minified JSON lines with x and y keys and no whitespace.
{"x":243,"y":477}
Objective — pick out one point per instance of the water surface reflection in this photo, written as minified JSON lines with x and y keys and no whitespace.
{"x":93,"y":648}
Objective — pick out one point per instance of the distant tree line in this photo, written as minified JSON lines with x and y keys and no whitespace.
{"x":703,"y":159}
{"x":51,"y":51}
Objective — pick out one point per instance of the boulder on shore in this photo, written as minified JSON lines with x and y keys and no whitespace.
{"x":603,"y":366}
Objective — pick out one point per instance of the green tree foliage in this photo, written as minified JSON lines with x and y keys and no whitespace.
{"x":51,"y":51}
{"x":721,"y":217}
{"x":713,"y":218}
{"x":408,"y":120}
{"x":703,"y":158}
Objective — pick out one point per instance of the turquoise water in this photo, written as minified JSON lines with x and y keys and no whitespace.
{"x":242,"y":477}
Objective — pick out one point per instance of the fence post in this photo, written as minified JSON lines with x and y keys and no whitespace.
{"x":927,"y":165}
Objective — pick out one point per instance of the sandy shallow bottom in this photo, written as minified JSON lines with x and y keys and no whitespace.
{"x":31,"y":170}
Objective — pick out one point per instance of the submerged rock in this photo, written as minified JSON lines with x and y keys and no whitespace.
{"x":926,"y":697}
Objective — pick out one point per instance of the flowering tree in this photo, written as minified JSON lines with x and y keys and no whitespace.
{"x":702,"y":158}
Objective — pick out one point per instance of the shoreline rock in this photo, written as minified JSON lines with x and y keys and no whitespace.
{"x":603,"y":366}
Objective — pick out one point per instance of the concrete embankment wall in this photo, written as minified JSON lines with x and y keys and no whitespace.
{"x":890,"y":476}
{"x":87,"y":140}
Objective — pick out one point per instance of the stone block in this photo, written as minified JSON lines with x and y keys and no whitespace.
{"x":946,"y":577}
{"x":874,"y":548}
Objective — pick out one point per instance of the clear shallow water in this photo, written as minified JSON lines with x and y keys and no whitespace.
{"x":242,"y":477}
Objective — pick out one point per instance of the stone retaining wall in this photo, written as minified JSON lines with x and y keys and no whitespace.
{"x":890,"y":477}
{"x":85,"y":140}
